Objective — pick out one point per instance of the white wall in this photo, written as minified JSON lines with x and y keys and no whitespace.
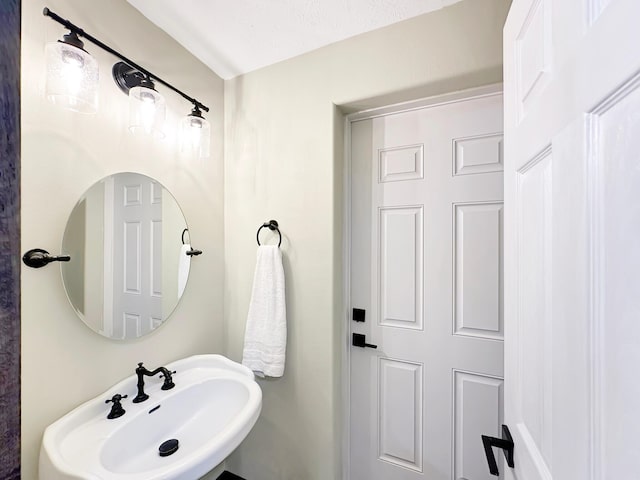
{"x":283,"y":160}
{"x":63,"y":153}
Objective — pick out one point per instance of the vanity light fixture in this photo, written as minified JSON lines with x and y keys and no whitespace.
{"x":195,"y":134}
{"x":72,"y":75}
{"x":146,"y":109}
{"x":146,"y":106}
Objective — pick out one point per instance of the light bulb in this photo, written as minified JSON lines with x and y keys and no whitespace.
{"x":72,"y":58}
{"x":195,"y":122}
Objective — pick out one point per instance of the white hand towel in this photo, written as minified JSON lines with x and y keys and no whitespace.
{"x":265,"y":337}
{"x":184,"y":263}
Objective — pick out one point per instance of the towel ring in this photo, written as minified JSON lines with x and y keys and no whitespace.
{"x":192,"y":252}
{"x":271,"y":225}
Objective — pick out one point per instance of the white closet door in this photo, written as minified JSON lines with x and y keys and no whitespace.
{"x":426,"y":268}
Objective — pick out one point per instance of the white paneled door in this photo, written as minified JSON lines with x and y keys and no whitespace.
{"x":426,"y":278}
{"x":137,"y":256}
{"x":572,"y":256}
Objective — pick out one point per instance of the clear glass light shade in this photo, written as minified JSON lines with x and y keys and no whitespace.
{"x":72,"y":78}
{"x":147,"y":111}
{"x":195,"y":136}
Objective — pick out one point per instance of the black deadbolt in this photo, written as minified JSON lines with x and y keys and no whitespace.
{"x":358,"y":315}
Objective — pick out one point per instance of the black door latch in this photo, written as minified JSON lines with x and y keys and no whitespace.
{"x":505,"y":443}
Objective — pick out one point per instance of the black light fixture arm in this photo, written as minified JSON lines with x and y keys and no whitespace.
{"x":81,"y":33}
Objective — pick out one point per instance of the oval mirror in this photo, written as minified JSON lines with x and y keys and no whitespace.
{"x":127,"y":239}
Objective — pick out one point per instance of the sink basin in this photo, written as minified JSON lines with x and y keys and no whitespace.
{"x":212,"y":408}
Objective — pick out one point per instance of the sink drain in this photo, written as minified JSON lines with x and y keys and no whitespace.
{"x":168,"y":448}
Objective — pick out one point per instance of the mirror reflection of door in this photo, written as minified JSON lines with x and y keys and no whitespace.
{"x":128,"y":265}
{"x":133,"y":281}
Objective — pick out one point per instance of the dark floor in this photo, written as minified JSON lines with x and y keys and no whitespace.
{"x":229,"y":476}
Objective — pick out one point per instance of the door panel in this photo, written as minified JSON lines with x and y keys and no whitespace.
{"x":533,"y":383}
{"x":477,"y":409}
{"x":617,"y":345}
{"x":571,"y":183}
{"x":401,"y":268}
{"x":403,"y":163}
{"x":426,"y":260}
{"x":478,"y":270}
{"x":481,"y":154}
{"x":400,"y":414}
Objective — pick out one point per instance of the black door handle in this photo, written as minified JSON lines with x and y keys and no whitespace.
{"x":359,"y":340}
{"x":505,"y":443}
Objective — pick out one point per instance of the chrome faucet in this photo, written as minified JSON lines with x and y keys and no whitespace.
{"x":142,"y":371}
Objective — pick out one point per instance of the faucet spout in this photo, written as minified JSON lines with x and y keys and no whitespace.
{"x":141,"y":372}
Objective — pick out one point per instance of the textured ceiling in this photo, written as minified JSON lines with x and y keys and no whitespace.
{"x":233,"y":37}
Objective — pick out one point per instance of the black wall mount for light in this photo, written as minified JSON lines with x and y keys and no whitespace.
{"x":127,"y":77}
{"x":127,"y":73}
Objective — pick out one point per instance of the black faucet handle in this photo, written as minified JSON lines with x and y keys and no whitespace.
{"x":116,"y":398}
{"x":168,"y":380}
{"x":116,"y":408}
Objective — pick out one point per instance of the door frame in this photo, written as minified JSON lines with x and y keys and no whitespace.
{"x":433,"y":101}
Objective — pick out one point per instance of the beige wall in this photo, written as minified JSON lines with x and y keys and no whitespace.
{"x":283,"y":160}
{"x":64,"y":363}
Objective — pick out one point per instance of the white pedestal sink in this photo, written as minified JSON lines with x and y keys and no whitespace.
{"x":212,"y":408}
